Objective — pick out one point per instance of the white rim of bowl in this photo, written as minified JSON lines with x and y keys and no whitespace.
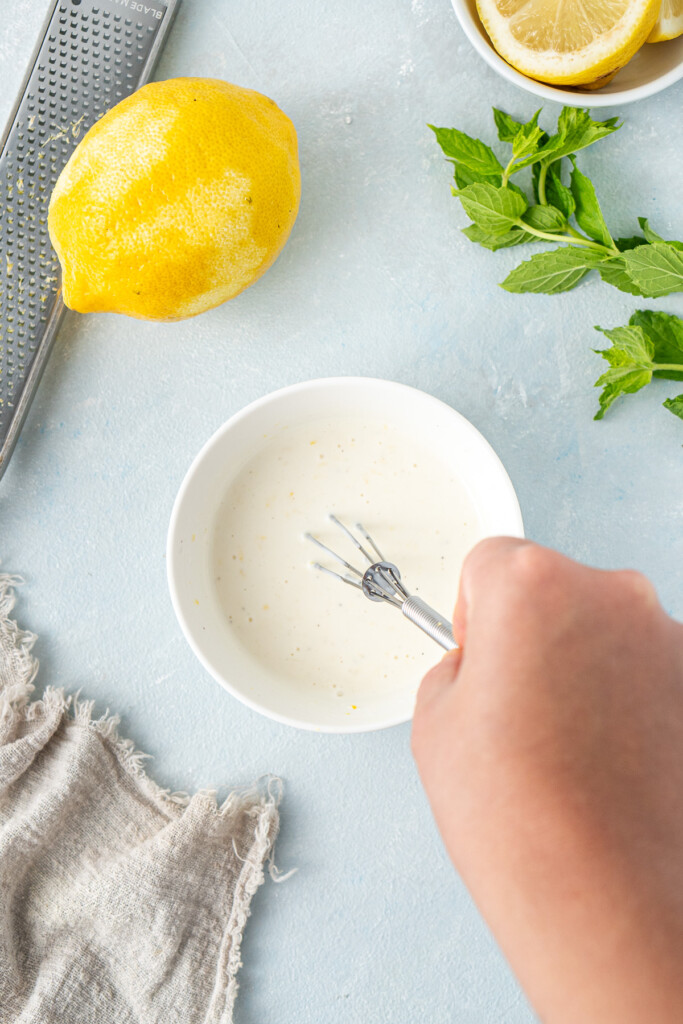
{"x":216,"y":437}
{"x":589,"y":98}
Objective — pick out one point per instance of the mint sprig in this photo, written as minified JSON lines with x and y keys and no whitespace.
{"x":503,"y":215}
{"x":550,"y":272}
{"x":651,"y":345}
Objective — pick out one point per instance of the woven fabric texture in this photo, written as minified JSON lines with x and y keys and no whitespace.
{"x":120,"y":903}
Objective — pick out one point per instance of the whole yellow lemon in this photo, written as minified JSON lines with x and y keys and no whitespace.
{"x":176,"y":200}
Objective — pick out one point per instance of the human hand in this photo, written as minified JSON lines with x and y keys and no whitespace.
{"x":551,"y":750}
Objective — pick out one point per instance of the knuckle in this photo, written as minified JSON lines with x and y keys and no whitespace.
{"x":636,"y":587}
{"x":484,"y":548}
{"x":532,"y":568}
{"x":490,"y":556}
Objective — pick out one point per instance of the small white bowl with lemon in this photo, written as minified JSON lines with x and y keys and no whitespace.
{"x":609,"y":52}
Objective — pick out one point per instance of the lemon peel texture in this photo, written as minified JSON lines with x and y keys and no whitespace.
{"x":175,"y":201}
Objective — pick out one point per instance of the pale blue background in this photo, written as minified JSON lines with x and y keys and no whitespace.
{"x":376,"y":280}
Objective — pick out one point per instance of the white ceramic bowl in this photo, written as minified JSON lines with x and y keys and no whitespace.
{"x":654,"y":67}
{"x":192,"y":527}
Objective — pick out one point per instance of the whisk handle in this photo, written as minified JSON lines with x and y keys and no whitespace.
{"x":430,"y":622}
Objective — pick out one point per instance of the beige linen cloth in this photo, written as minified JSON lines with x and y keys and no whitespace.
{"x":119,"y":903}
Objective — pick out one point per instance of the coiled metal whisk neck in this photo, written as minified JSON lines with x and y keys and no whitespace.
{"x":381,"y":581}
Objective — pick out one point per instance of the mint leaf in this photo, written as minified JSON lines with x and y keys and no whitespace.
{"x":506,"y":125}
{"x":651,"y":236}
{"x":614,"y":272}
{"x":576,"y":129}
{"x":552,"y":272}
{"x":631,"y":346}
{"x":630,"y":360}
{"x":495,"y":210}
{"x":666,"y":334}
{"x":557,"y":193}
{"x":619,"y":381}
{"x":675,"y":405}
{"x":544,"y":218}
{"x":588,"y":213}
{"x":471,"y":153}
{"x":528,"y":138}
{"x":464,"y":177}
{"x":633,"y":242}
{"x":495,"y":242}
{"x":657,"y":269}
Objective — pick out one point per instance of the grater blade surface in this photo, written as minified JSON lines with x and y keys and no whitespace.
{"x":90,"y":54}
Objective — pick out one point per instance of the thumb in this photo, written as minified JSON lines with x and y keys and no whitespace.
{"x":439,"y":680}
{"x":428,"y":707}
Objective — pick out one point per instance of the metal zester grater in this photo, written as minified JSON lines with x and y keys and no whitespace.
{"x":90,"y":54}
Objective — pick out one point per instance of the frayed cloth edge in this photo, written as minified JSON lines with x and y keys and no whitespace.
{"x":14,"y":696}
{"x":250,"y":879}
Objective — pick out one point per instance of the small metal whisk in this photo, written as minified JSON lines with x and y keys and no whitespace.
{"x":381,"y":581}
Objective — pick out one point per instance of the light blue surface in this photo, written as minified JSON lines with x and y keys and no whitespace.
{"x":375,"y":280}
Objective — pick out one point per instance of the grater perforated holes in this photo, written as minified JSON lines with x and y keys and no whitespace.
{"x":67,"y":91}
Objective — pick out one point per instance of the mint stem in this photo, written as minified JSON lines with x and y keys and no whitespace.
{"x":507,"y":172}
{"x":573,"y":239}
{"x":576,"y":234}
{"x":541,"y":184}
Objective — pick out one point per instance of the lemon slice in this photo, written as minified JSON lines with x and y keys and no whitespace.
{"x":568,"y":42}
{"x":669,"y":24}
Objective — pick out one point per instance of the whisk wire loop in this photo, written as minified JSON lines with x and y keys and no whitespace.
{"x":381,"y":581}
{"x":354,"y":540}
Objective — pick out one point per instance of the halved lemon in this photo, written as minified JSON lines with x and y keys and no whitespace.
{"x":568,"y":42}
{"x":669,"y":24}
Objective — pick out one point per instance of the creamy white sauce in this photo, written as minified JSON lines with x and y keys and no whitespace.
{"x":307,"y":629}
